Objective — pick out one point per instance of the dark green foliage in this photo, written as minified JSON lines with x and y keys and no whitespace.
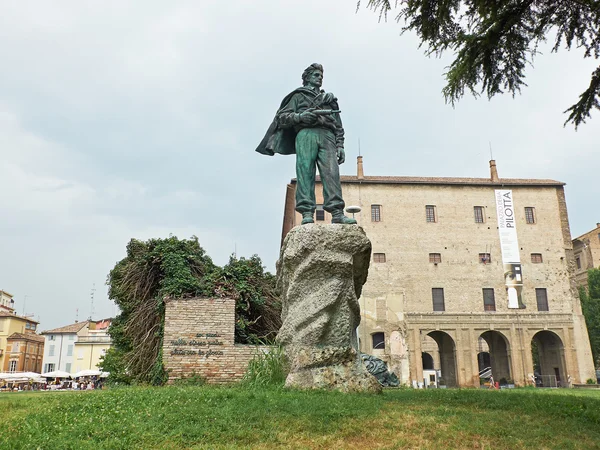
{"x":258,"y":310}
{"x":590,"y":305}
{"x":493,"y":41}
{"x":174,"y":268}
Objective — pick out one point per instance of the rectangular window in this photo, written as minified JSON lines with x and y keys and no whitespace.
{"x":379,"y":257}
{"x":529,"y":214}
{"x":536,"y":258}
{"x":71,"y":337}
{"x":68,"y":367}
{"x":478,"y":211}
{"x":578,"y":262}
{"x":12,"y":366}
{"x":375,"y":213}
{"x":378,"y":340}
{"x":70,"y":351}
{"x":437,"y":295}
{"x":49,"y":367}
{"x":485,"y":258}
{"x":51,"y":350}
{"x":51,"y":337}
{"x":430,"y":213}
{"x":541,"y":297}
{"x":80,"y":354}
{"x":435,"y":258}
{"x":320,"y":213}
{"x":489,"y":301}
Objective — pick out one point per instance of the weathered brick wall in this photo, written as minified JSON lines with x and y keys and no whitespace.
{"x":199,"y":339}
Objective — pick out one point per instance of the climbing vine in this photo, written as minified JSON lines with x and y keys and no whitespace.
{"x":157,"y":269}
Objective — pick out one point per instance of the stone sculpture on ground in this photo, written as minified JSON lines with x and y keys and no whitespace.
{"x":321,"y":271}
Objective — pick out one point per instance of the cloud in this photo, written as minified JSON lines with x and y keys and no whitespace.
{"x":138,"y":119}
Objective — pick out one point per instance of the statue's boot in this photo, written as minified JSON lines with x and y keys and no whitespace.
{"x":339,"y":217}
{"x":307,"y":217}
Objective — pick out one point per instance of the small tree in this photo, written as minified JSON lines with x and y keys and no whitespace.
{"x":493,"y":41}
{"x":590,"y":305}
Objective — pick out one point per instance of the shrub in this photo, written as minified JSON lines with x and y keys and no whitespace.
{"x":590,"y":381}
{"x":267,"y":368}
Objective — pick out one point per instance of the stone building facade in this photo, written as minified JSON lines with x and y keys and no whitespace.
{"x":25,"y":352}
{"x":18,"y":341}
{"x":435,"y":303}
{"x":587,"y":254}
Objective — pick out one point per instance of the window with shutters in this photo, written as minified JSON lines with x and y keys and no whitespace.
{"x":51,"y":350}
{"x":541,"y":297}
{"x":529,"y":214}
{"x":478,"y":211}
{"x":485,"y":258}
{"x":536,"y":258}
{"x":437,"y":295}
{"x":379,"y":257}
{"x":320,"y":213}
{"x":375,"y":213}
{"x":435,"y":258}
{"x":378,"y":340}
{"x":489,"y":300}
{"x":430,"y":215}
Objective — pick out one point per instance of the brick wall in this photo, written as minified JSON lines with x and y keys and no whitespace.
{"x":199,"y":339}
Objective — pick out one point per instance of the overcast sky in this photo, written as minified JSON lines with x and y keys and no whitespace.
{"x":137,"y":119}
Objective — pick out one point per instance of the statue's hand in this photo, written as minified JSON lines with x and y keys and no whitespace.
{"x":328,"y":98}
{"x":341,"y":155}
{"x":308,"y":118}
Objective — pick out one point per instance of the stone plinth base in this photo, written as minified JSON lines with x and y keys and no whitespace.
{"x":334,"y":368}
{"x":321,"y":271}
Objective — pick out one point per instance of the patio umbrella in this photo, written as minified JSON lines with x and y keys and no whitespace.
{"x":57,"y":374}
{"x":104,"y":374}
{"x":86,"y":373}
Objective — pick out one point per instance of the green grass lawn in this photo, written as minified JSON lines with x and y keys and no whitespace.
{"x":210,"y":417}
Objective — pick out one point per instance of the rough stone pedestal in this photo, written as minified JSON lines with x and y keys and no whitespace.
{"x":321,"y":271}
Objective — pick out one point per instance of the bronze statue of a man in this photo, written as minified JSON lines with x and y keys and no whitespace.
{"x":308,"y":124}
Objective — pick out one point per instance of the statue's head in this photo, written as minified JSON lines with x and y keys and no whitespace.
{"x":313,"y":75}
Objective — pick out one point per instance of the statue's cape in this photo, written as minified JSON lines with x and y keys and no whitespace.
{"x":281,"y":140}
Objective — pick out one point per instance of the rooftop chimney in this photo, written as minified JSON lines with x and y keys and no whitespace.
{"x":359,"y":168}
{"x":494,"y":171}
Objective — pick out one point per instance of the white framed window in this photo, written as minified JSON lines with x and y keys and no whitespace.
{"x":51,"y":350}
{"x":70,"y":351}
{"x":68,"y":367}
{"x":12,"y":366}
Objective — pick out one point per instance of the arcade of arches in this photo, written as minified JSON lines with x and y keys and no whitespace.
{"x":461,"y":355}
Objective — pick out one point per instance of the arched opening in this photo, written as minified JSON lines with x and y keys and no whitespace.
{"x":499,"y":356}
{"x":427,"y":360}
{"x":548,"y":355}
{"x":445,"y":355}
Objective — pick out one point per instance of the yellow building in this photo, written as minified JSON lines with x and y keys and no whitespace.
{"x":11,"y":324}
{"x":443,"y":299}
{"x":89,"y":349}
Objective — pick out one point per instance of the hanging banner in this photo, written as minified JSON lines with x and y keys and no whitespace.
{"x":511,"y":260}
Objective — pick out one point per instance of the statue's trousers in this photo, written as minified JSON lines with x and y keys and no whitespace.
{"x":315,"y":147}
